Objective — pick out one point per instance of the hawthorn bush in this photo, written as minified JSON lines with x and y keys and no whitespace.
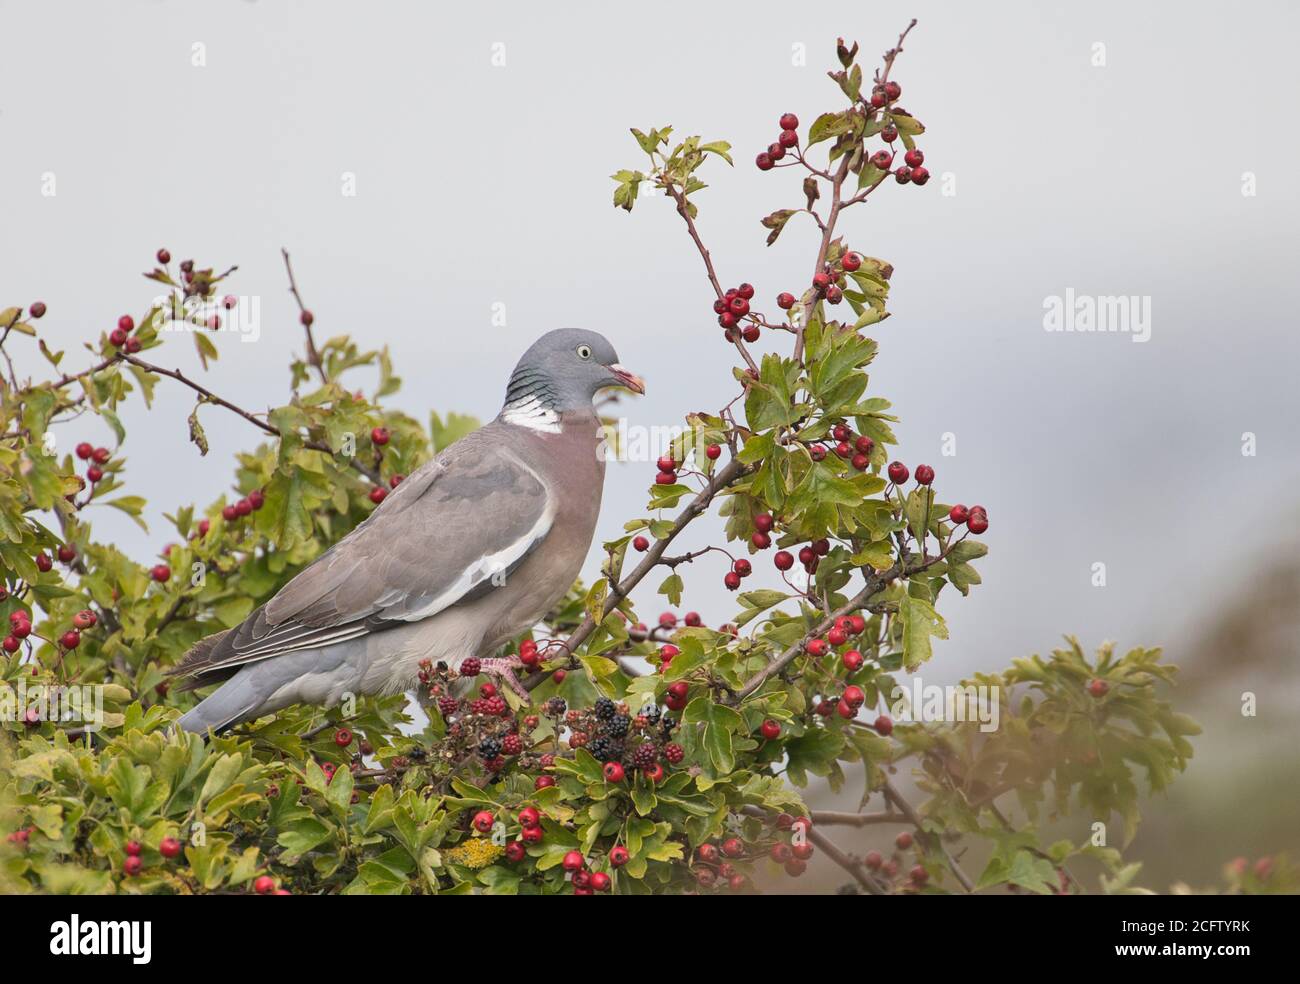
{"x":683,"y":775}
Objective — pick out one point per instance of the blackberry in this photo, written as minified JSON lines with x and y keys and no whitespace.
{"x":618,"y":725}
{"x":667,"y":724}
{"x":651,"y":713}
{"x":489,"y":748}
{"x":555,"y":706}
{"x":602,"y":747}
{"x":645,"y":755}
{"x":605,"y":709}
{"x":417,"y":753}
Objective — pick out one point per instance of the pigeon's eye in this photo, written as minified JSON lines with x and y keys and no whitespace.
{"x":584,"y":352}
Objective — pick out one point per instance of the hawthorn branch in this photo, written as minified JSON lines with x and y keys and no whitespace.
{"x":843,"y":818}
{"x":852,"y":865}
{"x":304,"y":316}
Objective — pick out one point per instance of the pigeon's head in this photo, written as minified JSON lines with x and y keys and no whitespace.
{"x":564,"y":369}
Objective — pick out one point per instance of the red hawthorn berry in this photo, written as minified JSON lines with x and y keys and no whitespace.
{"x":898,"y":472}
{"x":918,"y":875}
{"x":727,"y":319}
{"x":132,"y":866}
{"x":133,"y":848}
{"x":70,"y":639}
{"x":573,"y":861}
{"x":788,"y":138}
{"x":667,"y":652}
{"x":743,"y":567}
{"x":1098,"y":688}
{"x":243,"y":507}
{"x":834,"y":295}
{"x":667,"y":620}
{"x":483,"y":821}
{"x":852,"y":660}
{"x":43,"y":563}
{"x":613,"y":772}
{"x":229,"y":301}
{"x":533,"y":835}
{"x":841,"y":432}
{"x":731,"y":292}
{"x":164,"y":257}
{"x":977,"y":523}
{"x":705,"y":877}
{"x":229,"y":514}
{"x":11,"y":644}
{"x":515,"y":851}
{"x":85,"y":450}
{"x":884,"y":725}
{"x":844,"y":449}
{"x":914,"y":158}
{"x":794,"y":867}
{"x":785,"y":300}
{"x":693,"y":618}
{"x":837,"y":636}
{"x":920,"y":175}
{"x":542,"y":782}
{"x":380,"y":436}
{"x":307,"y":318}
{"x":67,"y":553}
{"x":775,"y":151}
{"x":783,"y":560}
{"x":126,"y":323}
{"x":169,"y":847}
{"x":881,"y":160}
{"x":761,"y":540}
{"x":655,"y":773}
{"x":618,"y":856}
{"x":864,"y":444}
{"x":751,"y":333}
{"x":891,"y":868}
{"x":640,"y":544}
{"x":860,"y":461}
{"x":851,"y":261}
{"x":846,"y":710}
{"x":857,"y":624}
{"x":20,"y":630}
{"x":821,"y":280}
{"x":878,"y":99}
{"x":807,"y":555}
{"x":854,"y":695}
{"x":904,"y":840}
{"x":713,"y":452}
{"x":257,"y":498}
{"x":559,"y":675}
{"x":117,"y":338}
{"x":958,"y":514}
{"x":343,"y":737}
{"x":264,"y":885}
{"x":924,"y":474}
{"x":529,"y":817}
{"x":161,"y":573}
{"x":780,"y":852}
{"x":764,"y":522}
{"x":733,"y":847}
{"x":37,"y":309}
{"x":789,"y":121}
{"x":873,"y":860}
{"x":378,"y":494}
{"x":764,"y":161}
{"x":731,"y":580}
{"x":893,"y":90}
{"x":214,"y":322}
{"x":821,"y":547}
{"x":826,"y":708}
{"x":770,"y":729}
{"x":719,"y":306}
{"x":102,"y":456}
{"x":889,"y":134}
{"x":817,"y":452}
{"x":600,"y":881}
{"x":816,"y":647}
{"x":665,"y":478}
{"x":903,"y":175}
{"x":738,"y":306}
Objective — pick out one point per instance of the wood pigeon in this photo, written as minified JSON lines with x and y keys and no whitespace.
{"x":471,"y":549}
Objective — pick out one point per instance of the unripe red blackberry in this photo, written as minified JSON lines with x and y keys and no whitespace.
{"x":470,"y":667}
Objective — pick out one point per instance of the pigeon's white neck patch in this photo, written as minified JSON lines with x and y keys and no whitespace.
{"x":531,"y":412}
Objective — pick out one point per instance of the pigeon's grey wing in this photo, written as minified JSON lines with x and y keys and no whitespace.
{"x":447,"y":534}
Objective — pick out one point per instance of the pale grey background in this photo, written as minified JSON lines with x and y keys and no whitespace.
{"x":481,"y":184}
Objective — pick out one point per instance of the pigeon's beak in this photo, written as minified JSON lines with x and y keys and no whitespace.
{"x":633,"y":382}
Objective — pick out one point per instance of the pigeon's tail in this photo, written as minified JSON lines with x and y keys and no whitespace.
{"x":233,"y":702}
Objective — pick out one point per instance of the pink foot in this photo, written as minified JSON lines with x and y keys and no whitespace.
{"x":505,"y":669}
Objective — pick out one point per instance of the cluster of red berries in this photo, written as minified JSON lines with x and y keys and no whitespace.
{"x":882,"y":95}
{"x":168,"y":847}
{"x":718,"y":865}
{"x":732,"y":308}
{"x":667,"y":466}
{"x":585,"y":881}
{"x":249,"y":504}
{"x":121,"y":337}
{"x":975,"y":519}
{"x":786,"y":140}
{"x":20,"y":627}
{"x":96,"y":456}
{"x":810,"y":556}
{"x":379,"y":437}
{"x":917,"y":876}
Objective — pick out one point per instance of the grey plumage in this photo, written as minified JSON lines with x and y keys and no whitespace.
{"x":472,"y":548}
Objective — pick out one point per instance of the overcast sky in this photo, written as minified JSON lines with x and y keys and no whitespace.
{"x":481,"y":184}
